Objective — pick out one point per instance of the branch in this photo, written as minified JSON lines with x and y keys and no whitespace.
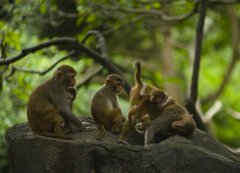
{"x":89,"y":78}
{"x":48,"y":69}
{"x":33,"y":49}
{"x":235,"y":56}
{"x":3,"y":53}
{"x":234,"y":113}
{"x":76,"y":46}
{"x":224,"y":1}
{"x":191,"y":102}
{"x":212,"y":111}
{"x":158,"y":13}
{"x":101,"y":41}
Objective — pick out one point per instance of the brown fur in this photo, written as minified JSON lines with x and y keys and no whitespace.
{"x":105,"y":110}
{"x":168,"y":120}
{"x":138,"y":92}
{"x":48,"y":108}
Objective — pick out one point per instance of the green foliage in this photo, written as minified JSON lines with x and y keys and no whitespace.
{"x":129,"y":36}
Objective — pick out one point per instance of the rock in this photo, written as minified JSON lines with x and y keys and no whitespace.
{"x":28,"y":153}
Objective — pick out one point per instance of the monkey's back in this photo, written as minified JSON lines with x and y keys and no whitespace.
{"x":40,"y":108}
{"x":102,"y":104}
{"x":173,"y":111}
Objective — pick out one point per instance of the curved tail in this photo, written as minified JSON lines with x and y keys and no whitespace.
{"x":137,"y":76}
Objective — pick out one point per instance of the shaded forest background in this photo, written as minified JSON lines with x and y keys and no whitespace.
{"x":38,"y":35}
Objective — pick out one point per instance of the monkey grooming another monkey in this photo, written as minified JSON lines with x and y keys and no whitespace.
{"x":165,"y":121}
{"x":104,"y":108}
{"x":138,"y":92}
{"x":49,"y":106}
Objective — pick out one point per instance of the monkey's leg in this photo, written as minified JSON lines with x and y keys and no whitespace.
{"x":60,"y":129}
{"x":127,"y":126}
{"x":145,"y":119}
{"x":117,"y":117}
{"x":100,"y":131}
{"x":52,"y":135}
{"x":149,"y":137}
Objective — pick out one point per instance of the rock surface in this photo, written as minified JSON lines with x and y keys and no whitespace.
{"x":28,"y":153}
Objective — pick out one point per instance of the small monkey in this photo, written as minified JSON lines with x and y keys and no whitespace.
{"x":105,"y":109}
{"x":139,"y":91}
{"x":49,"y":106}
{"x":71,"y":95}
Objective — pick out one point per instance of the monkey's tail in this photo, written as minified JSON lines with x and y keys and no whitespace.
{"x":138,"y":71}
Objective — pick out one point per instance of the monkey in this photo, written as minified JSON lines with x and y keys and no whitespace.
{"x":49,"y":106}
{"x":71,"y":95}
{"x":158,"y":99}
{"x":139,"y":91}
{"x":104,"y":106}
{"x":169,"y":120}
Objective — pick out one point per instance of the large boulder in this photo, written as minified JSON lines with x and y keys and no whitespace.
{"x":28,"y":153}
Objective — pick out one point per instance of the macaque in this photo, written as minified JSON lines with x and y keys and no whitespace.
{"x":168,"y":120}
{"x":138,"y":92}
{"x":105,"y":109}
{"x":71,"y":95}
{"x":49,"y":106}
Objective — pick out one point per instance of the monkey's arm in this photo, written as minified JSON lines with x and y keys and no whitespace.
{"x":139,"y":110}
{"x":61,"y":102}
{"x":166,"y":103}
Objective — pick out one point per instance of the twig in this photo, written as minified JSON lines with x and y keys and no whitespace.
{"x":88,"y":78}
{"x":101,"y":41}
{"x":233,"y":113}
{"x":48,"y":69}
{"x":212,"y":111}
{"x":158,"y":13}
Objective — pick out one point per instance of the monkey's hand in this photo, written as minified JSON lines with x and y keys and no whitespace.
{"x":168,"y":101}
{"x":88,"y":126}
{"x":63,"y":125}
{"x":139,"y":128}
{"x":149,"y":146}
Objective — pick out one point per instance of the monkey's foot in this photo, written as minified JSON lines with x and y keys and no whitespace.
{"x":99,"y":135}
{"x":149,"y":146}
{"x":121,"y":141}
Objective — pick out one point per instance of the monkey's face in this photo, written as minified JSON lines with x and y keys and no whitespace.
{"x":71,"y":81}
{"x":118,"y":87}
{"x":178,"y":125}
{"x":65,"y":74}
{"x":114,"y":82}
{"x":185,"y":126}
{"x":158,"y":97}
{"x":68,"y":80}
{"x":71,"y":94}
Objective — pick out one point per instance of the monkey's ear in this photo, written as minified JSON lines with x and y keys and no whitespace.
{"x":58,"y":74}
{"x":108,"y":82}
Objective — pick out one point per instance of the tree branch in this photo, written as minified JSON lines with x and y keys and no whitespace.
{"x":48,"y":69}
{"x":101,"y":41}
{"x":76,"y":46}
{"x":89,"y":78}
{"x":191,"y":102}
{"x":224,"y":1}
{"x":158,"y":13}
